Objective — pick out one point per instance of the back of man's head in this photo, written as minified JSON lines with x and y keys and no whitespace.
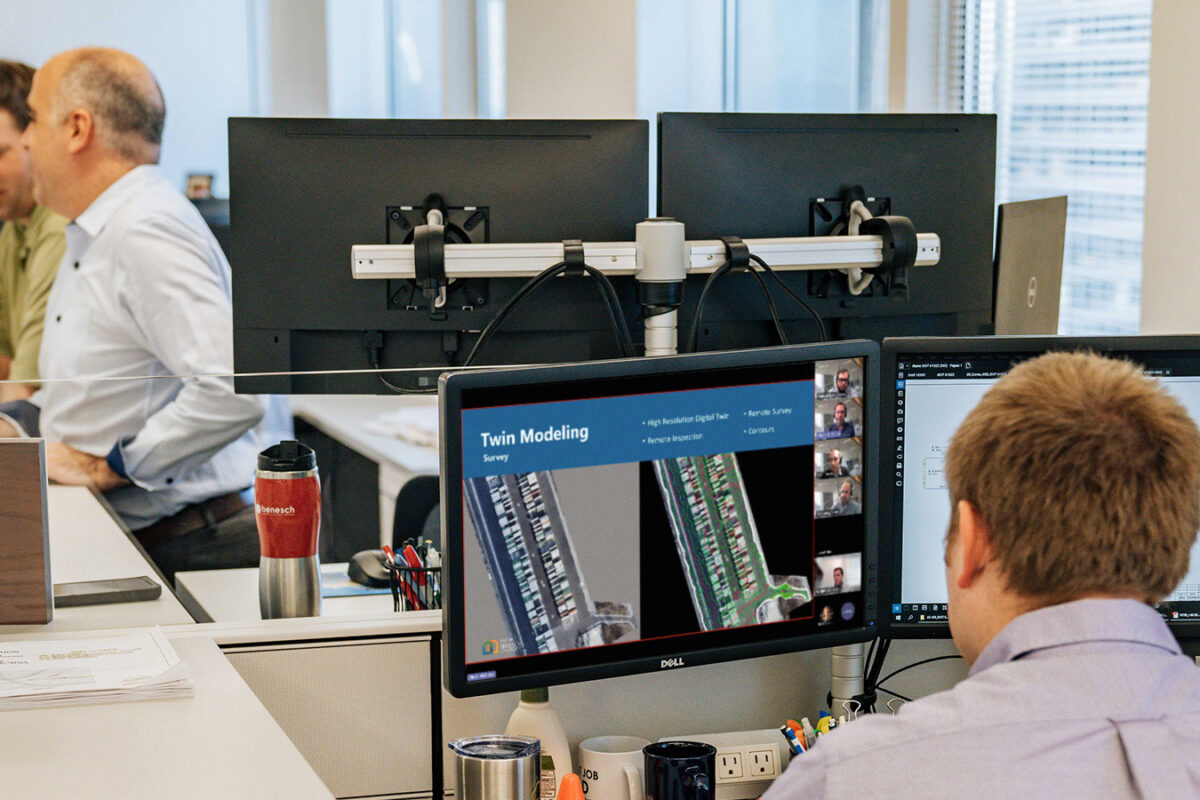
{"x":122,"y":95}
{"x":15,"y":80}
{"x":1087,"y":474}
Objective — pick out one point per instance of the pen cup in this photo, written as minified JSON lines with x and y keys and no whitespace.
{"x":287,"y":508}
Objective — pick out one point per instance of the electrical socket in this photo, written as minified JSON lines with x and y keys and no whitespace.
{"x":761,"y":763}
{"x":747,"y":761}
{"x":729,"y":766}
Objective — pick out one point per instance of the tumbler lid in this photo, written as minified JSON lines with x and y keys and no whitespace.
{"x":495,"y":746}
{"x":287,"y":456}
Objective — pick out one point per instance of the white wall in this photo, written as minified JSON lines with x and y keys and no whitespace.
{"x":200,"y":53}
{"x":571,"y":58}
{"x":1170,"y":258}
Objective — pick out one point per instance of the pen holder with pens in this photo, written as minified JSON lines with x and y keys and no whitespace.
{"x":415,"y":577}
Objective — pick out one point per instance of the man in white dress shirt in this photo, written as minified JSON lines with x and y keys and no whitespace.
{"x":143,"y":293}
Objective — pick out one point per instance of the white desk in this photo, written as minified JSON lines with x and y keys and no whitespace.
{"x":344,"y":417}
{"x":231,"y":595}
{"x":219,"y":743}
{"x":87,"y":544}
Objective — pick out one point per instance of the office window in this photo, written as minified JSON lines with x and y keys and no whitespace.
{"x":762,"y":55}
{"x":1069,"y":81}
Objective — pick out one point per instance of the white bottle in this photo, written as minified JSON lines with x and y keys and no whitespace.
{"x":533,"y":716}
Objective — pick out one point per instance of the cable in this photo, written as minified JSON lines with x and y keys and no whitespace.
{"x":891,"y":675}
{"x":405,"y":389}
{"x":607,"y":293}
{"x":817,"y":317}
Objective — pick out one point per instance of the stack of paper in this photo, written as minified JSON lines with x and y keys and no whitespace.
{"x":137,"y":666}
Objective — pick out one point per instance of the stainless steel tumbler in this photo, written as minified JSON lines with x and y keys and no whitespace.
{"x":287,"y":507}
{"x":498,"y":767}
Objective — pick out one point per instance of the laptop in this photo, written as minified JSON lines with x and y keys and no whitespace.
{"x":1028,"y":273}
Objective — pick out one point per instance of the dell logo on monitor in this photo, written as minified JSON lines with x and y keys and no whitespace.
{"x":668,"y":663}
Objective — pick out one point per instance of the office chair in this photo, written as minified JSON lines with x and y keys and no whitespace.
{"x":417,"y":512}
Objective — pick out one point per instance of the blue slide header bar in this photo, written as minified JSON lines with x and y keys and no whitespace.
{"x":644,"y":427}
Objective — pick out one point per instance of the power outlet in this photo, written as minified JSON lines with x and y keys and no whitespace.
{"x":747,"y":761}
{"x":761,"y":763}
{"x":729,"y":766}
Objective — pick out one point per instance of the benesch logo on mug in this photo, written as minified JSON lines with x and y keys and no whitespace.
{"x":282,"y":511}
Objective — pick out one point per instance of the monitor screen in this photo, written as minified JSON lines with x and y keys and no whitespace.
{"x":628,"y":516}
{"x":304,"y":191}
{"x":930,"y":385}
{"x":773,"y":175}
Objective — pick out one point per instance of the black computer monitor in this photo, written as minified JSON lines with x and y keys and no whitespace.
{"x":617,"y":517}
{"x":929,"y":386}
{"x":303,"y":191}
{"x":774,"y":175}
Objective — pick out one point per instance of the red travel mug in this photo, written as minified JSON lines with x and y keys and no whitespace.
{"x":287,"y":507}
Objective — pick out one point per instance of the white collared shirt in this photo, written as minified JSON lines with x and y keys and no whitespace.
{"x":144,"y":292}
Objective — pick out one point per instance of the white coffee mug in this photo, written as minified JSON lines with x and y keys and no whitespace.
{"x":611,"y":767}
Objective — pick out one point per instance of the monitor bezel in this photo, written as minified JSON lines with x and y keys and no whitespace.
{"x":450,"y":406}
{"x":890,"y":536}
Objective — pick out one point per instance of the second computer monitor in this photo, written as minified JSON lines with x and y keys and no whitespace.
{"x":930,"y":385}
{"x":772,"y":175}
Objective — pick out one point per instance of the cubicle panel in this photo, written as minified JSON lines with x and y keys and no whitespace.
{"x":358,"y":712}
{"x":25,"y":595}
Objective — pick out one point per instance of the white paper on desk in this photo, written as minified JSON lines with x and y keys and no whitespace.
{"x":416,"y":425}
{"x":134,"y":666}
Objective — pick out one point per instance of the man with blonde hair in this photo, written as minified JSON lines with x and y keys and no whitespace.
{"x":1075,"y":495}
{"x":143,"y":297}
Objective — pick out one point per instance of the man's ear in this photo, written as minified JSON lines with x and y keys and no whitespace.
{"x":975,"y":544}
{"x":81,"y":130}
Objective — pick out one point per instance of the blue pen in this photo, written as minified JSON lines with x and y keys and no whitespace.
{"x":793,"y":742}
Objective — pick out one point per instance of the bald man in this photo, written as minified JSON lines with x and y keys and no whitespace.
{"x":143,"y":290}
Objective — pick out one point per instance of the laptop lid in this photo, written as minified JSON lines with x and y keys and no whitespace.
{"x":1029,"y":258}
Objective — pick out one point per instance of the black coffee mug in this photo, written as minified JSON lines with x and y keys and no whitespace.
{"x":680,"y":771}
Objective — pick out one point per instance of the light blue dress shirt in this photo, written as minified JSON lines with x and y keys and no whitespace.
{"x":143,"y":293}
{"x":1089,"y":699}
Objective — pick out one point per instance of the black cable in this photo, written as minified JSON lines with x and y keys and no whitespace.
{"x":893,"y":694}
{"x":891,"y":675}
{"x":771,"y":307}
{"x":398,"y":389}
{"x":803,"y":304}
{"x":607,"y":293}
{"x":871,"y":675}
{"x":870,"y":655}
{"x":724,"y":269}
{"x":712,"y":278}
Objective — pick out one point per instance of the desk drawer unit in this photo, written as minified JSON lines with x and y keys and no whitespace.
{"x":358,"y":711}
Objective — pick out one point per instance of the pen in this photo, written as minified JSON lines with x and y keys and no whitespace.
{"x":792,"y":741}
{"x":391,"y":555}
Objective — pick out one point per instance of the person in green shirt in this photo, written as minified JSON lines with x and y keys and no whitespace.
{"x":32,"y":243}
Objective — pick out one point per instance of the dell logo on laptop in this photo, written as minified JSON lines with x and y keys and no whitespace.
{"x":668,"y":663}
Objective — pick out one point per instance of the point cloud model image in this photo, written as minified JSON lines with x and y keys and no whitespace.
{"x":531,"y":562}
{"x":719,"y":547}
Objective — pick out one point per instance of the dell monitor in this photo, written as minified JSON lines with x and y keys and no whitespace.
{"x":304,"y":191}
{"x":929,"y":386}
{"x":784,"y":175}
{"x":617,"y":517}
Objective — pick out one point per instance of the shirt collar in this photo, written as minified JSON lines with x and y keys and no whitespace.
{"x":96,"y":216}
{"x":1077,"y":622}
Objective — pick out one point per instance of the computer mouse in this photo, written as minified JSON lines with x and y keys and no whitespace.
{"x":368,"y":567}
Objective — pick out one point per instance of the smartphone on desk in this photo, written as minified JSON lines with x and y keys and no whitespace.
{"x":115,"y":590}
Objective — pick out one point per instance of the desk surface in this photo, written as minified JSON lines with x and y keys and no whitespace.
{"x":231,"y":595}
{"x":343,"y":417}
{"x":219,"y":743}
{"x":87,"y":544}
